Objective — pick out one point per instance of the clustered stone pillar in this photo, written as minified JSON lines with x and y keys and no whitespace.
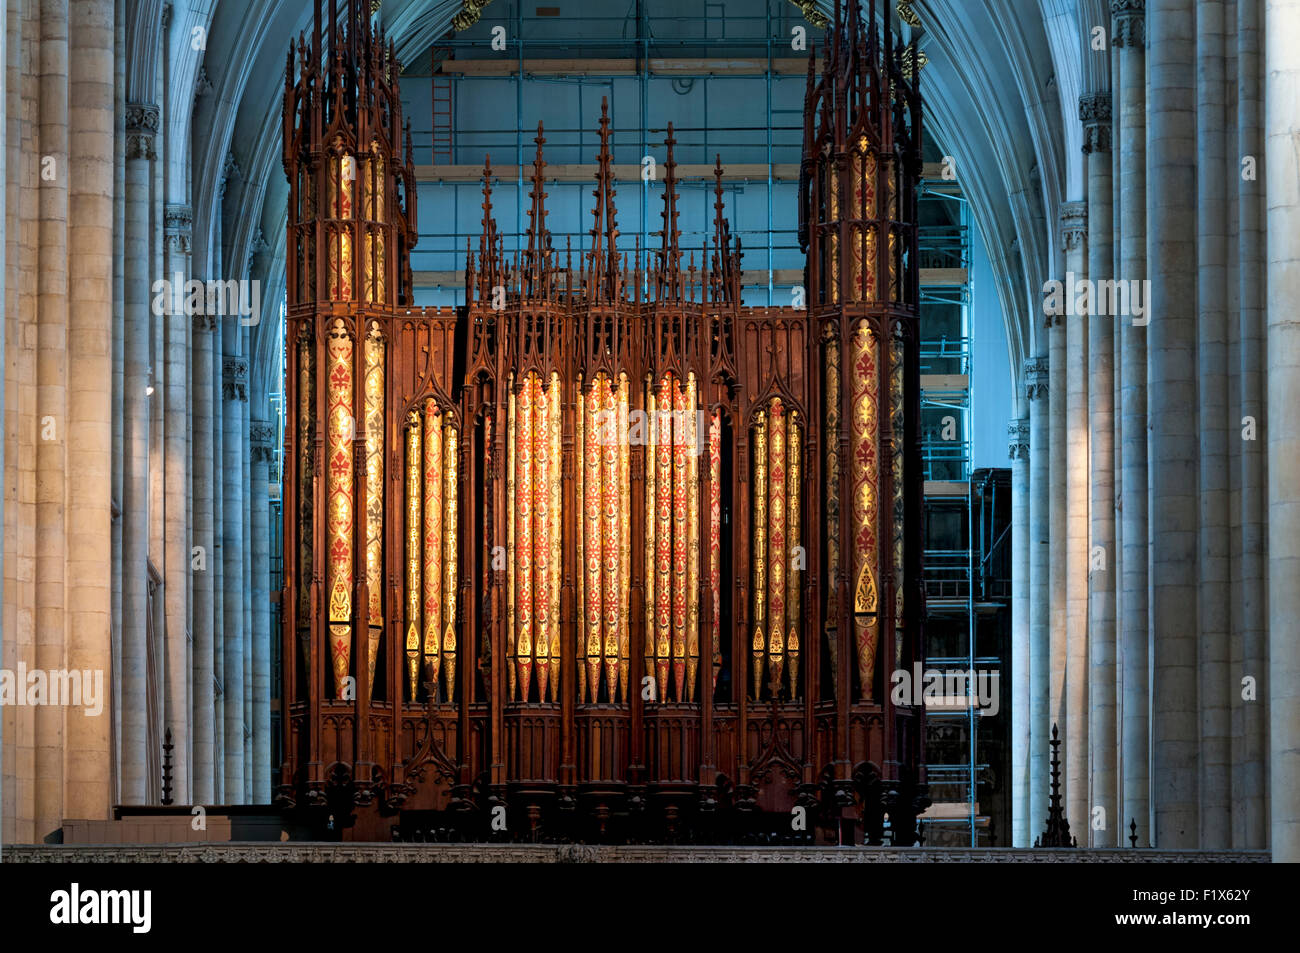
{"x":1036,"y":381}
{"x":51,"y":395}
{"x":1018,"y":451}
{"x":1134,"y":695}
{"x":202,"y":561}
{"x":1074,"y":231}
{"x":176,"y":574}
{"x":1213,"y":583}
{"x":1171,"y":405}
{"x":263,"y":444}
{"x":235,"y":392}
{"x":1282,"y":67}
{"x":1095,"y":113}
{"x":1250,"y":572}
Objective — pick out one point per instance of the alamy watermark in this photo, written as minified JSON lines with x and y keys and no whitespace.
{"x":57,"y":687}
{"x":234,"y":296}
{"x":976,"y":688}
{"x":1079,"y":296}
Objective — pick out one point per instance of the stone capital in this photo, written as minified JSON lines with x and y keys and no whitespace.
{"x":1094,"y":112}
{"x":234,"y":378}
{"x":1018,"y":439}
{"x":1074,"y":225}
{"x":1036,"y":377}
{"x":1128,"y":23}
{"x":261,"y":437}
{"x":178,"y":225}
{"x":141,"y":130}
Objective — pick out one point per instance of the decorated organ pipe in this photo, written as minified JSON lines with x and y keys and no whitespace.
{"x":672,"y":538}
{"x":778,"y":553}
{"x":340,"y":502}
{"x":534,"y":639}
{"x":432,"y":548}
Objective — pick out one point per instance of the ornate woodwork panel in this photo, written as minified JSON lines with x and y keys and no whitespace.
{"x":603,"y":547}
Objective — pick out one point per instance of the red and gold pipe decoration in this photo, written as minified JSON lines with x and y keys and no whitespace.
{"x":832,"y":495}
{"x":450,"y":447}
{"x":374,"y":397}
{"x":673,"y":539}
{"x":534,"y":503}
{"x":414,"y":462}
{"x":795,"y":560}
{"x":431,"y":550}
{"x":340,"y":490}
{"x":541,"y":507}
{"x":306,"y":480}
{"x":652,"y":649}
{"x":777,"y":470}
{"x":692,"y":540}
{"x":866,"y":481}
{"x":896,"y":422}
{"x":778,"y":557}
{"x":432,"y":555}
{"x":511,"y":415}
{"x":605,"y":540}
{"x":715,"y":541}
{"x":662,"y":422}
{"x":342,"y":175}
{"x":524,"y":503}
{"x":758,"y":645}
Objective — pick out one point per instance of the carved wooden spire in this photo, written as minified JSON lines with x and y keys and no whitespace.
{"x":602,"y":261}
{"x":536,"y":273}
{"x":670,"y":255}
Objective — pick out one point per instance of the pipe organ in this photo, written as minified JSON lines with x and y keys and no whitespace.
{"x":605,"y":552}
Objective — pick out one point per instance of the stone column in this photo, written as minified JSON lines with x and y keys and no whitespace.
{"x":1282,"y":132}
{"x":1095,"y":113}
{"x":1057,"y":548}
{"x":1213,"y":563}
{"x":1074,"y":230}
{"x":1135,"y":753}
{"x":51,"y":403}
{"x":142,"y":127}
{"x":218,"y":564}
{"x":1171,"y":405}
{"x":1040,"y":544}
{"x":1249,"y":785}
{"x":202,"y":562}
{"x":235,"y":393}
{"x":88,"y":780}
{"x":177,"y":223}
{"x":1018,"y":451}
{"x":263,"y":443}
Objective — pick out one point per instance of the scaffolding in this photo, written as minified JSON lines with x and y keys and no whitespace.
{"x":967,"y":601}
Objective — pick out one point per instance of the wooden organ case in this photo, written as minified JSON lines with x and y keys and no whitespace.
{"x":604,"y":554}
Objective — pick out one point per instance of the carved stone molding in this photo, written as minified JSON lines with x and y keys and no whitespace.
{"x":262,"y":439}
{"x":1094,"y":111}
{"x":178,"y":226}
{"x":1018,"y":439}
{"x":202,"y":85}
{"x":258,"y":245}
{"x":228,"y":171}
{"x":141,"y":130}
{"x":204,"y":322}
{"x":1128,"y":23}
{"x":234,"y":378}
{"x":1074,"y":225}
{"x":310,"y":852}
{"x":1036,"y":377}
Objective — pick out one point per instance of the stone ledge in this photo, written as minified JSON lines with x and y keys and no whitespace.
{"x":301,"y":852}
